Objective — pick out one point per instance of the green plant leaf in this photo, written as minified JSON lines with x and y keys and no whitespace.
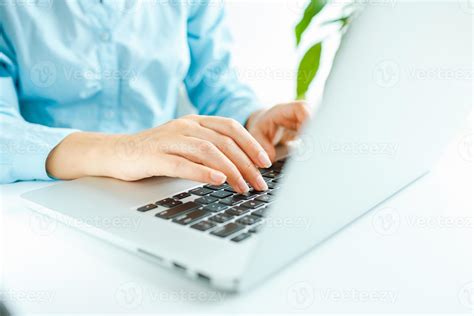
{"x":344,"y":21}
{"x":307,"y":70}
{"x":313,"y":8}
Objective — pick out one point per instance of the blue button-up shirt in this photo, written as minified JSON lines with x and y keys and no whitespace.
{"x":112,"y":66}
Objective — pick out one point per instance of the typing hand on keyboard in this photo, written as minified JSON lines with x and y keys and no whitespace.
{"x":202,"y":148}
{"x":219,"y":209}
{"x":208,"y":149}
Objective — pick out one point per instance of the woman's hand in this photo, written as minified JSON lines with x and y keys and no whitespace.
{"x":266,"y":125}
{"x":201,"y":148}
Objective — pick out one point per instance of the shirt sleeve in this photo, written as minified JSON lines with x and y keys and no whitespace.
{"x":212,"y":83}
{"x":24,"y":147}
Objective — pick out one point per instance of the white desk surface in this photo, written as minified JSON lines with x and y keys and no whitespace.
{"x":412,"y":254}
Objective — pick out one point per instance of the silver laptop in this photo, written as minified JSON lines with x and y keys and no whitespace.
{"x":400,"y":87}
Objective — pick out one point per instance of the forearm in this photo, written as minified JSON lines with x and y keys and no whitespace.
{"x":82,"y":154}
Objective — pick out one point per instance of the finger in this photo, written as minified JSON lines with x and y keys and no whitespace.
{"x":240,"y":135}
{"x":179,"y":167}
{"x":267,"y":145}
{"x":205,"y":153}
{"x":290,"y":115}
{"x":235,"y":154}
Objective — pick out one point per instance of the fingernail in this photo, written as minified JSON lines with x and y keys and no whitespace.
{"x":243,"y":187}
{"x":262,"y":185}
{"x":264,"y":160}
{"x":218,"y":177}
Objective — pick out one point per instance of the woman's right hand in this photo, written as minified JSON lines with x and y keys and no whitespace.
{"x":207,"y":149}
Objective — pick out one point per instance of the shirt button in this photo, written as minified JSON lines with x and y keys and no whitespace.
{"x":105,"y":36}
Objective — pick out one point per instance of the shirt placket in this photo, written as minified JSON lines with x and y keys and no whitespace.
{"x":110,"y":78}
{"x":107,"y":17}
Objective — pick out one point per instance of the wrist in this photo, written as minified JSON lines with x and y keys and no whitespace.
{"x":100,"y":157}
{"x":81,"y":154}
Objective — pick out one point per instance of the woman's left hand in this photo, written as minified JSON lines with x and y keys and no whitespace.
{"x":265,"y":125}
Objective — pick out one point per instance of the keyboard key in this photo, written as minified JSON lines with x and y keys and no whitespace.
{"x":267,"y":180}
{"x":178,"y":210}
{"x":252,"y":204}
{"x":277,"y":166}
{"x":200,"y":191}
{"x":249,"y":220}
{"x":221,"y":218}
{"x":272,"y":185}
{"x":237,"y":211}
{"x":215,"y":187}
{"x":241,"y":237}
{"x":272,"y":175}
{"x":206,"y":200}
{"x":274,"y":191}
{"x":164,"y":201}
{"x":182,"y":195}
{"x":255,"y":229}
{"x":147,"y":208}
{"x":227,"y":230}
{"x":265,"y":198}
{"x":190,"y":217}
{"x":229,"y":188}
{"x":216,"y":207}
{"x":172,"y":203}
{"x":233,"y":200}
{"x":203,"y":226}
{"x":261,"y":212}
{"x":221,"y":194}
{"x":248,"y":195}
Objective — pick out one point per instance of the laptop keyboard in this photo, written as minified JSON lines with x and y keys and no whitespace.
{"x":219,"y":210}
